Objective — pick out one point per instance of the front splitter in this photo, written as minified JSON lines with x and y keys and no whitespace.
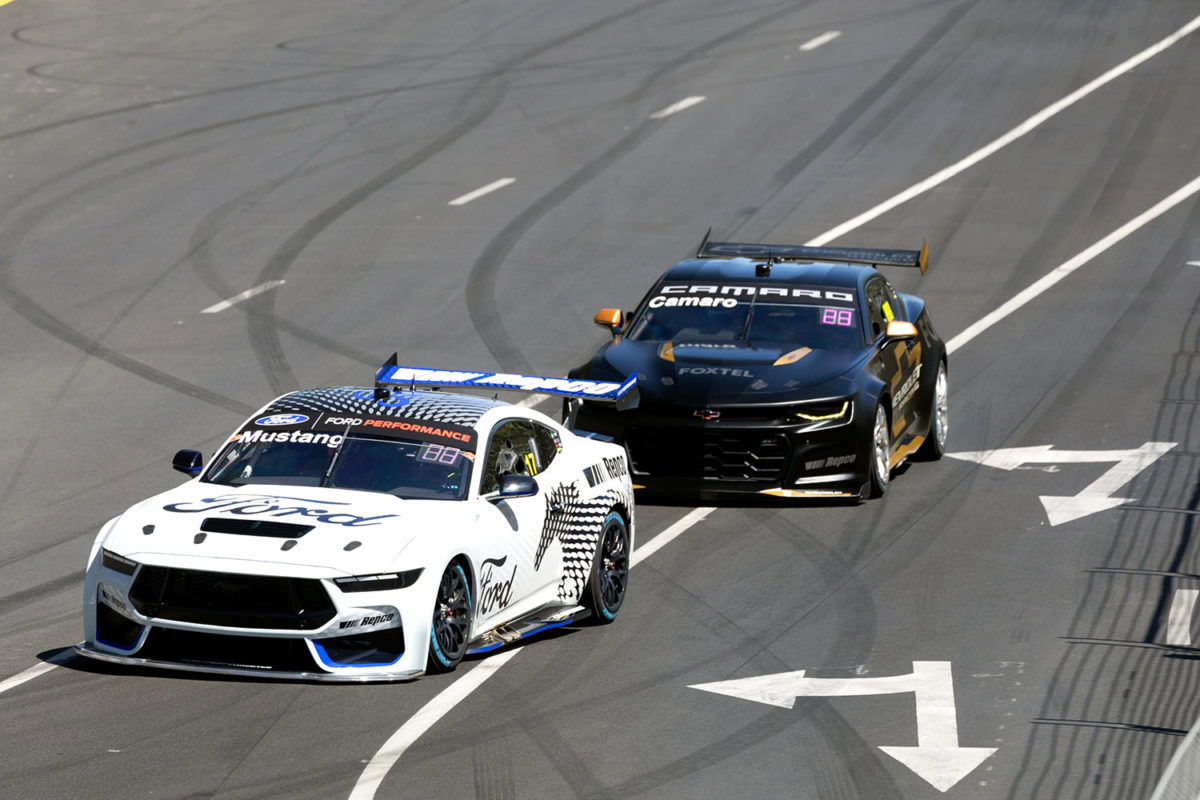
{"x":242,"y":672}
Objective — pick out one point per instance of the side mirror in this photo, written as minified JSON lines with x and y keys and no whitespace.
{"x":610,"y":318}
{"x":513,"y":486}
{"x":189,"y":462}
{"x":899,"y":329}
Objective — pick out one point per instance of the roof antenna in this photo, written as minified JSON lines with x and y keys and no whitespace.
{"x":704,"y":243}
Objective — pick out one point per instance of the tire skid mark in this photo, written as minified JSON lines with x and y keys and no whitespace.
{"x":262,"y":331}
{"x":481,"y":286}
{"x":17,"y":299}
{"x":203,"y":265}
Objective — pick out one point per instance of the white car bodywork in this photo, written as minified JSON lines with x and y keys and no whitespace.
{"x":527,"y":558}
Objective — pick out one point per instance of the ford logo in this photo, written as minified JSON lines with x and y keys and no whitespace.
{"x":281,"y":419}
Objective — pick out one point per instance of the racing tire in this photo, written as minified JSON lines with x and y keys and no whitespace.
{"x":939,"y":418}
{"x":881,"y":453}
{"x":451,"y":620}
{"x":609,"y":577}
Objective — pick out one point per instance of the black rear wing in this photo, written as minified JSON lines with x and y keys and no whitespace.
{"x":796,"y":252}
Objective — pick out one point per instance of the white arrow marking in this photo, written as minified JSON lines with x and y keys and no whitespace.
{"x":1179,"y":621}
{"x":937,"y":758}
{"x":1096,"y":496}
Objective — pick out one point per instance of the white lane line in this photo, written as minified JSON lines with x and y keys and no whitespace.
{"x":1016,"y":133}
{"x":33,"y":672}
{"x":481,"y":191}
{"x":246,"y":295}
{"x":387,"y":756}
{"x":675,"y":108}
{"x":1067,"y":267}
{"x":669,"y":535}
{"x":1179,"y":621}
{"x":817,"y":41}
{"x":1193,"y":263}
{"x":377,"y":769}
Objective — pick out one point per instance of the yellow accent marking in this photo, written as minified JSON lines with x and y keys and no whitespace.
{"x":637,"y":486}
{"x":905,"y":451}
{"x":887,"y":311}
{"x":667,"y":352}
{"x":804,"y":493}
{"x":792,"y":357}
{"x":923,"y":259}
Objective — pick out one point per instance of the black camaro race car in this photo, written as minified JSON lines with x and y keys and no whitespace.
{"x":774,"y":369}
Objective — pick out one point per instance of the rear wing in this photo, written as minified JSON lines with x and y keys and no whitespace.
{"x":624,"y":394}
{"x":795,"y":252}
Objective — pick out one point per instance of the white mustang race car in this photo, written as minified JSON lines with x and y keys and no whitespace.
{"x":370,"y":534}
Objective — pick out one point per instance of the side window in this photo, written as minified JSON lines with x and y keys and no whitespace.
{"x":513,"y":449}
{"x":878,"y":307}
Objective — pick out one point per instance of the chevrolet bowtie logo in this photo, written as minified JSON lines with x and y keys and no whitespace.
{"x":707,"y":414}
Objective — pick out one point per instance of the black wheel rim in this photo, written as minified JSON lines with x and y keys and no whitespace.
{"x":614,"y":565}
{"x":452,"y":614}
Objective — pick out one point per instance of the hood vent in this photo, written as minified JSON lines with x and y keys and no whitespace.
{"x":254,"y":527}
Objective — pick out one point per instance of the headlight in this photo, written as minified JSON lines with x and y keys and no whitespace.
{"x":119,"y":563}
{"x":824,"y":414}
{"x":379,"y":582}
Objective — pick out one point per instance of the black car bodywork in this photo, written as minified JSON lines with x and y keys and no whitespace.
{"x":762,"y":369}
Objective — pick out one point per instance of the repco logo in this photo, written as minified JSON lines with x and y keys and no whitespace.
{"x":495,"y":585}
{"x":366,"y":622}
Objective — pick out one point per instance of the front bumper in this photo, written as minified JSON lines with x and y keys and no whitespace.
{"x":355,"y":637}
{"x":746,"y":450}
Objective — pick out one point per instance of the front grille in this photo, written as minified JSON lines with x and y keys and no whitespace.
{"x":694,"y":454}
{"x":222,"y":650}
{"x":230,"y":599}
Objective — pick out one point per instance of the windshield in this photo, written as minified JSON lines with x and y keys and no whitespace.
{"x":815,"y":326}
{"x":416,"y":470}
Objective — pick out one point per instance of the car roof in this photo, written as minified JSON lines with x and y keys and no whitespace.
{"x":725,"y":270}
{"x":427,"y":406}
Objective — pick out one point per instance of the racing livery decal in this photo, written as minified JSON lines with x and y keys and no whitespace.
{"x":250,"y":505}
{"x":495,"y":584}
{"x":577,"y":527}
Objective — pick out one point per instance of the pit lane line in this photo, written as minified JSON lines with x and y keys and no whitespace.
{"x":408,"y":733}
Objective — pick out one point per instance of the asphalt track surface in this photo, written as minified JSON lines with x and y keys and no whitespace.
{"x":159,"y":157}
